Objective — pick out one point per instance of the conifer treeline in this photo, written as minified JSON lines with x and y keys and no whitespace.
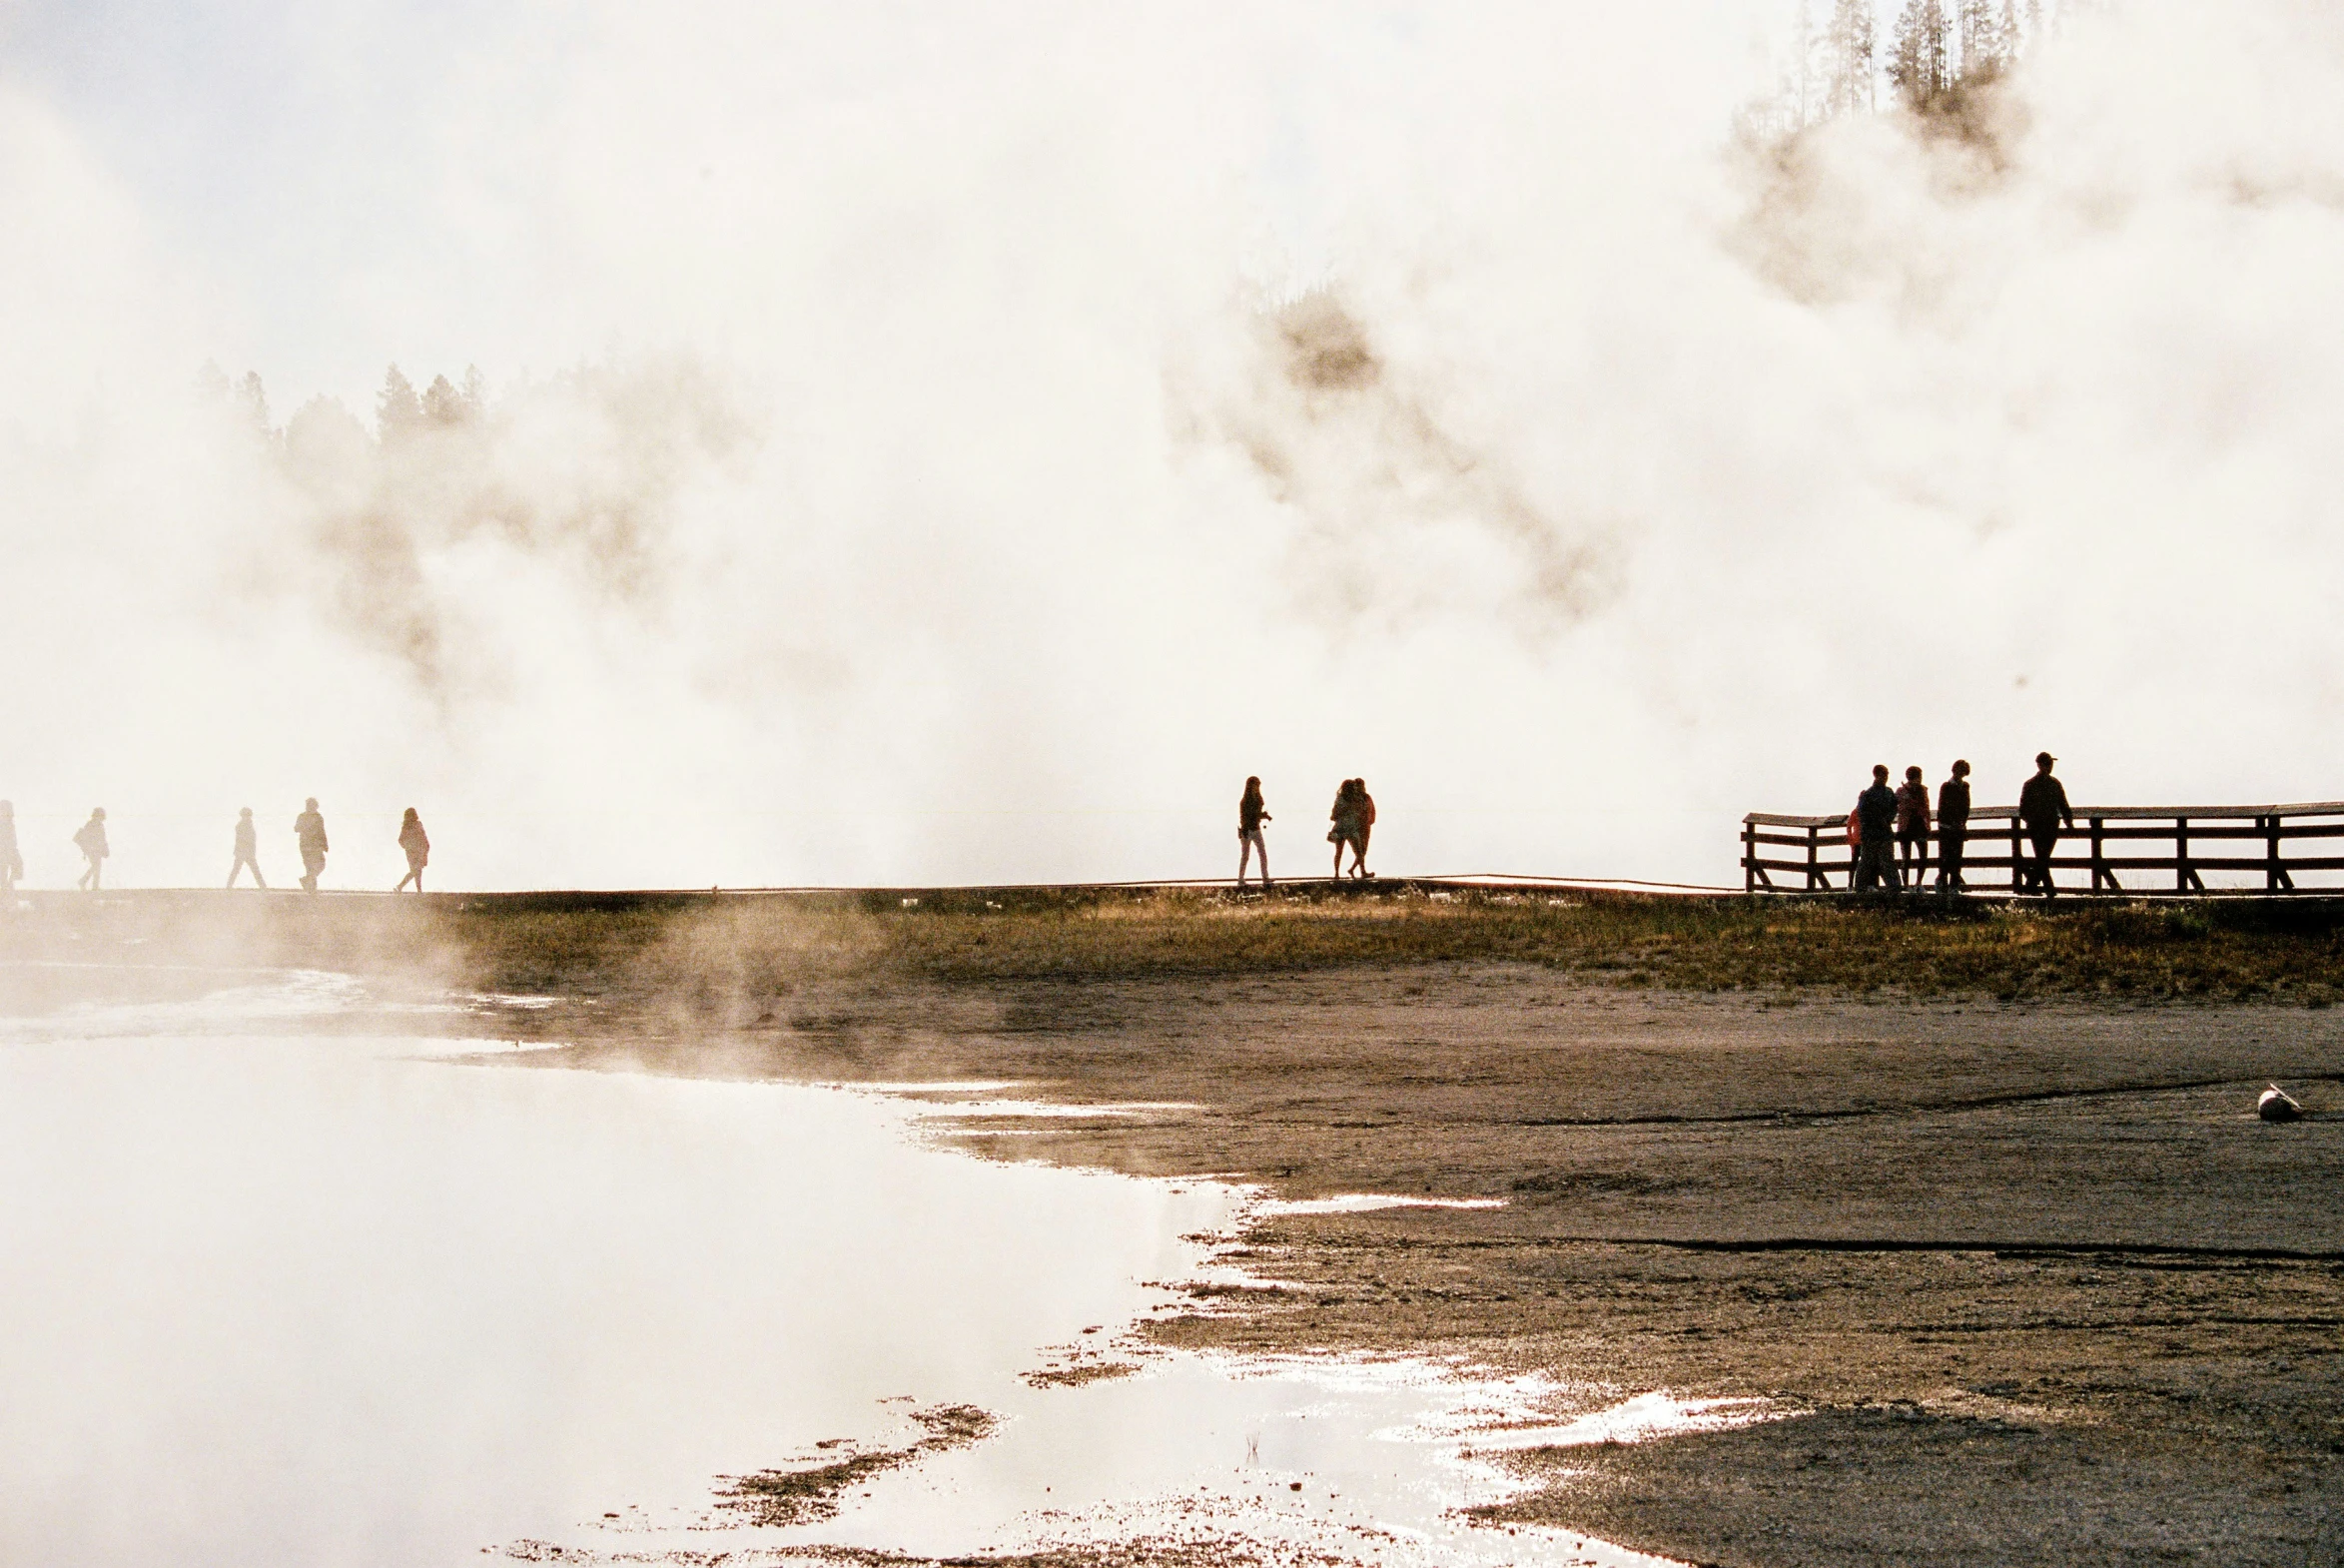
{"x":399,"y":410}
{"x":1929,"y":55}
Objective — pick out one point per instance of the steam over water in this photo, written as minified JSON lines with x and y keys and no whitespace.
{"x":282,"y":1297}
{"x":924,"y":443}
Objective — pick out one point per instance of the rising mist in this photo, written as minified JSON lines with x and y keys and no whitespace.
{"x":912,"y":447}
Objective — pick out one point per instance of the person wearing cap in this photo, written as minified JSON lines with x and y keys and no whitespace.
{"x":1952,"y":825}
{"x":2043,"y":810}
{"x":1876,"y":819}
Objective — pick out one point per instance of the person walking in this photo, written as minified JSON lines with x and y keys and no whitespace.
{"x":1251,"y":813}
{"x":1346,"y":817}
{"x":1952,"y":825}
{"x":11,"y":863}
{"x":310,"y":829}
{"x":2043,"y":810}
{"x":417,"y":844}
{"x":91,"y":841}
{"x":1366,"y":828}
{"x":1875,"y":820}
{"x":247,"y":851}
{"x":1913,"y":828}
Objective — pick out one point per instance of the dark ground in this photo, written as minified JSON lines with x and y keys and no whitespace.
{"x":2045,"y":1288}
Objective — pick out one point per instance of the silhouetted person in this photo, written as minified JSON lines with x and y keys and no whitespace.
{"x":1346,"y":817}
{"x":247,"y":850}
{"x":11,"y":863}
{"x":1250,"y":815}
{"x":1913,"y":828}
{"x":1366,"y":828}
{"x":1876,"y":822}
{"x":1952,"y":825}
{"x":91,"y":841}
{"x":412,"y":838}
{"x":310,"y":829}
{"x":2043,"y":809}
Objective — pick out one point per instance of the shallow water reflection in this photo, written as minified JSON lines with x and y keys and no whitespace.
{"x":283,"y":1300}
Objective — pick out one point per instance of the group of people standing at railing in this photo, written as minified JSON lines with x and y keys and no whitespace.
{"x":1352,"y":819}
{"x":1890,"y":828}
{"x":308,"y":830}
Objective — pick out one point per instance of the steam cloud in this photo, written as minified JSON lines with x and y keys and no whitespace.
{"x":584,"y":470}
{"x":1341,"y":435}
{"x":918,"y":504}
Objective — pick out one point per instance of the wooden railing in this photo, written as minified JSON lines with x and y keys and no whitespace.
{"x":2106,"y":852}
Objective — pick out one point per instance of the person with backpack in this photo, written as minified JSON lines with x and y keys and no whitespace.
{"x":1952,"y":827}
{"x":1875,"y":820}
{"x":91,"y":841}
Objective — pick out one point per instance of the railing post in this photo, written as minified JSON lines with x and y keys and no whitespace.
{"x":2186,"y":875}
{"x":2017,"y":860}
{"x":1749,"y":857}
{"x":2099,"y":870}
{"x":2278,"y":878}
{"x":1814,"y":847}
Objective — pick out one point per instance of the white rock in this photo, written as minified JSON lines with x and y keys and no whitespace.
{"x":2277,"y":1105}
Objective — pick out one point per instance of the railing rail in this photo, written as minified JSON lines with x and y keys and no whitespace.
{"x":1812,"y":854}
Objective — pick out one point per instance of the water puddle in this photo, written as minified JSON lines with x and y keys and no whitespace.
{"x":1365,"y":1203}
{"x":280,"y":1298}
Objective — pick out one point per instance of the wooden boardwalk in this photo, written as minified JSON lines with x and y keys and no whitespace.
{"x":2113,"y":851}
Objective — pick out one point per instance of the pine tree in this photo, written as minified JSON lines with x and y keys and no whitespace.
{"x":252,"y":399}
{"x":443,"y":404}
{"x":1919,"y":55}
{"x":476,"y":391}
{"x":1847,"y":65}
{"x":1986,"y":43}
{"x":397,"y":410}
{"x":326,"y":449}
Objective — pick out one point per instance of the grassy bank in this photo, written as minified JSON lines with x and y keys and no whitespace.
{"x":2197,"y":949}
{"x":744,"y":952}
